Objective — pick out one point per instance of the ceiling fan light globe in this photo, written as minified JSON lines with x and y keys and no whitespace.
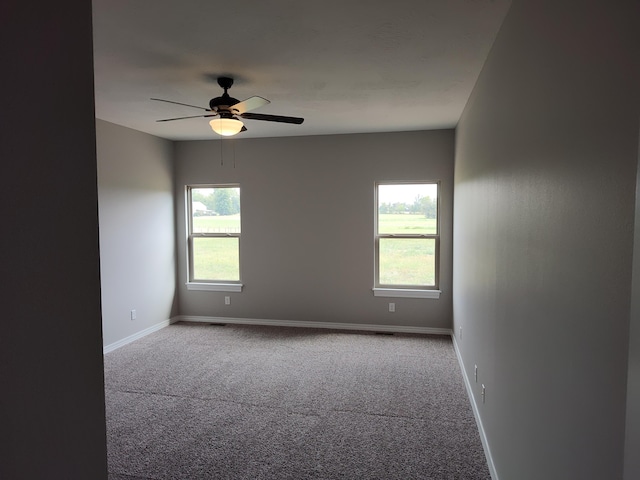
{"x":226,"y":127}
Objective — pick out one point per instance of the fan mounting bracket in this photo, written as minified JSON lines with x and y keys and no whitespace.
{"x":225,"y":82}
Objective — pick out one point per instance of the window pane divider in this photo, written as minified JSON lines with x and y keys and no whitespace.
{"x":219,"y":235}
{"x":407,"y":235}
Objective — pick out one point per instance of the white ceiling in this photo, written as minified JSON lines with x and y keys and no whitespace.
{"x":346,"y":66}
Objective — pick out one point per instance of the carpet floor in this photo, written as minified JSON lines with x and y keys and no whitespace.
{"x":197,"y":401}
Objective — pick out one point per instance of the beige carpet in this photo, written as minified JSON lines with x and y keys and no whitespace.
{"x":194,"y":401}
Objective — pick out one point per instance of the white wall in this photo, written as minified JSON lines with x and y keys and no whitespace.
{"x":308,"y":212}
{"x":546,"y":155}
{"x":52,"y":420}
{"x":137,"y":230}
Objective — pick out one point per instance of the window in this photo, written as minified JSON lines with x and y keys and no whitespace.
{"x":214,"y":227}
{"x":407,"y":240}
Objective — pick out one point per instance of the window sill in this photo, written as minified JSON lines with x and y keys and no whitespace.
{"x":214,"y":287}
{"x":406,"y":293}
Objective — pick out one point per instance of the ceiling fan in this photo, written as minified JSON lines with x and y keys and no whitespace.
{"x":227,"y":110}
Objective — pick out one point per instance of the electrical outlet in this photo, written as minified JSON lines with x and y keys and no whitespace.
{"x":227,"y":300}
{"x":476,"y":372}
{"x":133,"y":314}
{"x":484,"y":393}
{"x":392,"y":307}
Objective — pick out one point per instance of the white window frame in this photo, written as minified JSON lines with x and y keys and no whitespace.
{"x":407,"y":291}
{"x":210,"y":285}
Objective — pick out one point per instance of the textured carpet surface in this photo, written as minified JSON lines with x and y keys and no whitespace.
{"x":194,"y":401}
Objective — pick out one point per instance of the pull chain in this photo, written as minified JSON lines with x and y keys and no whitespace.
{"x":233,"y":152}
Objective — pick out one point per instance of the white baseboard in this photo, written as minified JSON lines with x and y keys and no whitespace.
{"x":136,"y":336}
{"x":297,"y":323}
{"x":476,"y":412}
{"x":275,"y":323}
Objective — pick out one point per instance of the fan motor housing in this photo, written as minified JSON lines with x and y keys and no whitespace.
{"x":223,"y":101}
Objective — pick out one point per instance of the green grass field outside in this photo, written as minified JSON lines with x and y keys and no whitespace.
{"x":403,"y":261}
{"x":406,"y":223}
{"x":407,"y":261}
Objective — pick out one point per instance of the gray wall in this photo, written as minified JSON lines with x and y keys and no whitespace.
{"x":137,"y":230}
{"x":632,"y":444}
{"x":52,"y":420}
{"x":307,"y":219}
{"x":545,"y":170}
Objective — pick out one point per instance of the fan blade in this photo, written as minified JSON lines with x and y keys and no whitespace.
{"x":182,"y":118}
{"x":249,"y":104}
{"x":272,"y":118}
{"x":178,"y":103}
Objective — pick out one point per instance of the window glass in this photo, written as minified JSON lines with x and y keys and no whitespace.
{"x":407,"y":261}
{"x":407,"y":237}
{"x":216,"y":258}
{"x":214,"y":233}
{"x":408,"y":208}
